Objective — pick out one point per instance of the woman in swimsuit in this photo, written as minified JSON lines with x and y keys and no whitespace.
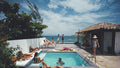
{"x":36,"y":59}
{"x":95,"y":43}
{"x":64,"y":48}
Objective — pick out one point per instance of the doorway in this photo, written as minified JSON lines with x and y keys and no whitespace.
{"x":117,"y":42}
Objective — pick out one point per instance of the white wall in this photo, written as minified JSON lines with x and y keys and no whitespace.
{"x":24,"y":44}
{"x":117,"y":42}
{"x":21,"y":43}
{"x":107,"y":40}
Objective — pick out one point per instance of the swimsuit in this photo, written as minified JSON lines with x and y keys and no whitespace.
{"x":60,"y":63}
{"x":65,"y":48}
{"x":94,"y":44}
{"x":62,"y":38}
{"x":58,"y":39}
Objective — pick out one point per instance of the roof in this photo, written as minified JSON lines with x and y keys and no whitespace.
{"x":103,"y":25}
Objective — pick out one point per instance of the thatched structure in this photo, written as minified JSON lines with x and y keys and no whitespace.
{"x":107,"y":34}
{"x":103,"y":25}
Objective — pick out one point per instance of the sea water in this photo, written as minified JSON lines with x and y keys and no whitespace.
{"x":67,"y":39}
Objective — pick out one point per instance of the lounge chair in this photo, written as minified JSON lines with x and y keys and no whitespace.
{"x":23,"y":56}
{"x":48,"y":44}
{"x":31,"y":49}
{"x":25,"y":62}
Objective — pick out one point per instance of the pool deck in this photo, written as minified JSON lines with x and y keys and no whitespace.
{"x":101,"y":61}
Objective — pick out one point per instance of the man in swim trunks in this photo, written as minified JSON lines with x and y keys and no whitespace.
{"x":60,"y":62}
{"x":63,"y":38}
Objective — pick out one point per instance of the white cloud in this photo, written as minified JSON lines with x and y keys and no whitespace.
{"x":69,"y":16}
{"x":60,"y":23}
{"x":53,"y":4}
{"x":68,"y":25}
{"x":57,"y":24}
{"x":79,"y":6}
{"x":63,"y":12}
{"x":24,"y":5}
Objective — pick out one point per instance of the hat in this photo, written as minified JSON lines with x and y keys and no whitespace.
{"x":94,"y":36}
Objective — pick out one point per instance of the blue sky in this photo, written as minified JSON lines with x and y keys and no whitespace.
{"x":68,"y":16}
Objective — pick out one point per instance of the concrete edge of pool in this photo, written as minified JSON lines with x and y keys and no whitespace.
{"x":92,"y":65}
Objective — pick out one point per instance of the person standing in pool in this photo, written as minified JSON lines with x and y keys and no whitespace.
{"x":95,"y":43}
{"x":62,"y":38}
{"x":58,"y":38}
{"x":60,"y":62}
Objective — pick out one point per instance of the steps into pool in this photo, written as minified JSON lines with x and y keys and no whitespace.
{"x":42,"y":55}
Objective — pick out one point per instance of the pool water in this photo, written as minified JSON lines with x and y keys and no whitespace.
{"x":70,"y":59}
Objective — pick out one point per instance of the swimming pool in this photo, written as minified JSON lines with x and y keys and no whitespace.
{"x":69,"y":58}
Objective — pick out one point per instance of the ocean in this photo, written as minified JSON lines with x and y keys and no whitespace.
{"x":67,"y":39}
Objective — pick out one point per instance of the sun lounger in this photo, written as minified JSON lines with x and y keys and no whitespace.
{"x":25,"y":62}
{"x":47,"y":46}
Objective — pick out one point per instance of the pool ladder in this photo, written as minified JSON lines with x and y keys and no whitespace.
{"x":83,"y":64}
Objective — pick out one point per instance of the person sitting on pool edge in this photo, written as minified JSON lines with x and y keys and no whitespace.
{"x":36,"y":59}
{"x":60,"y":62}
{"x":33,"y":49}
